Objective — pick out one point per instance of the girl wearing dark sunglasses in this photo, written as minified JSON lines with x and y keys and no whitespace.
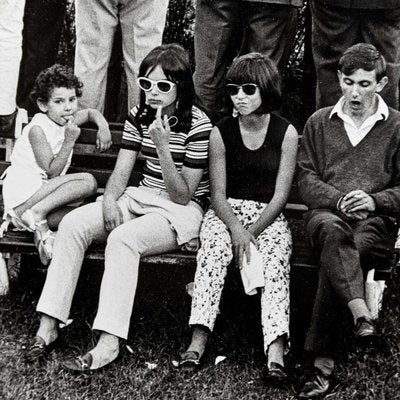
{"x":252,"y":162}
{"x":163,"y":213}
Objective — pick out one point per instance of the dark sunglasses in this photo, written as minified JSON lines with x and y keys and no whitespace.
{"x":162,"y":85}
{"x":248,"y":88}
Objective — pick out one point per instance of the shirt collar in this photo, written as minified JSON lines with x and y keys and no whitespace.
{"x":382,"y":110}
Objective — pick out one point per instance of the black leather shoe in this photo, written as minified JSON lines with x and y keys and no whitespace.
{"x":83,"y":365}
{"x":275,"y":375}
{"x":365,"y":328}
{"x":36,"y":348}
{"x":317,"y":386}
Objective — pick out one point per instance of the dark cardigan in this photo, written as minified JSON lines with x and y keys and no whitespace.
{"x":329,"y":166}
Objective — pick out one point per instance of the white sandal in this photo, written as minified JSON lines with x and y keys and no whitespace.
{"x":44,"y":243}
{"x":43,"y":240}
{"x":26,"y":221}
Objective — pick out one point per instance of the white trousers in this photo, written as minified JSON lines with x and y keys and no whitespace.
{"x":142,"y":25}
{"x":136,"y":237}
{"x":11,"y":24}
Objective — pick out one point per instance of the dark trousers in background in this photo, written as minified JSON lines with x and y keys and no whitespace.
{"x":225,"y":29}
{"x":335,"y":29}
{"x":43,"y":21}
{"x":347,"y":249}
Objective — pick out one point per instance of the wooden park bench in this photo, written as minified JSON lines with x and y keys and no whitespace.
{"x":87,"y":159}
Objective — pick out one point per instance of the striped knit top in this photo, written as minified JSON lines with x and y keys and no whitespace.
{"x":187,"y":149}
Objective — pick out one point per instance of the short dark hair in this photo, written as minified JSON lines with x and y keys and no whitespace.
{"x":363,"y":56}
{"x":54,"y":77}
{"x":261,"y":70}
{"x":174,"y":61}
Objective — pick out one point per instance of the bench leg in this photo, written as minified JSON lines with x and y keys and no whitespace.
{"x":397,"y":247}
{"x":13,"y":265}
{"x":4,"y":281}
{"x":10,"y":265}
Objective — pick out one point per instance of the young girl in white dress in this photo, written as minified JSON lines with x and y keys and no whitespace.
{"x":36,"y":188}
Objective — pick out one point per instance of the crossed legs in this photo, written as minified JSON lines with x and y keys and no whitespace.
{"x":345,"y":248}
{"x":57,"y":192}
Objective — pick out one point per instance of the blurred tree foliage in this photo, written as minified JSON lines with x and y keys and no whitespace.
{"x":180,"y":24}
{"x":66,"y":49}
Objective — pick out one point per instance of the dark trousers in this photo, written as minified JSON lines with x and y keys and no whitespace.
{"x":43,"y":21}
{"x":225,"y":29}
{"x":335,"y":29}
{"x":347,"y":248}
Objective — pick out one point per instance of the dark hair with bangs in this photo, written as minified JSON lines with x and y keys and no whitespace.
{"x":53,"y":77}
{"x":174,"y":61}
{"x":261,"y":70}
{"x":363,"y":56}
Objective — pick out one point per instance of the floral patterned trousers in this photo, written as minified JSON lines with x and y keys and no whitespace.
{"x":215,"y":254}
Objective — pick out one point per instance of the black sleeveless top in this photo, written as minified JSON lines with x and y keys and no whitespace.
{"x":251,"y":174}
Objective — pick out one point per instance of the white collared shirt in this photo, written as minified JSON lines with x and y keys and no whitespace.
{"x":356,"y":134}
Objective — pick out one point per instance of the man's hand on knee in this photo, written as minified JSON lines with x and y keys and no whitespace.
{"x":357,"y":204}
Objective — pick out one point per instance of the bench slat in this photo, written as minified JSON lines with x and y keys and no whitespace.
{"x":22,"y":242}
{"x":89,"y":133}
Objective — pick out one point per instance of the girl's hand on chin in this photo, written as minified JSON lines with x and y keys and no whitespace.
{"x":159,"y":130}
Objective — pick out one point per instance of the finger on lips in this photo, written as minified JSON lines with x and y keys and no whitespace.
{"x":158,"y":113}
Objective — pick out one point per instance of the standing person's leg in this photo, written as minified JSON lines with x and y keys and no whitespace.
{"x":270,"y":29}
{"x":382,"y":29}
{"x":96,"y":22}
{"x":11,"y":24}
{"x":43,"y":22}
{"x":334,"y":30}
{"x":216,"y":37}
{"x":142,"y":27}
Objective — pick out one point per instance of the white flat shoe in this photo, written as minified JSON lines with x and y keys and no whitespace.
{"x":44,"y":242}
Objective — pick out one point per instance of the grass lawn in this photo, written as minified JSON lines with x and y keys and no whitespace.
{"x":159,"y":331}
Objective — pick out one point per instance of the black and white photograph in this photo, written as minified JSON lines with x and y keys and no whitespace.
{"x":200,"y":199}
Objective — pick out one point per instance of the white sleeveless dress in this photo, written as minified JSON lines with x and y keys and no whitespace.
{"x":24,"y":177}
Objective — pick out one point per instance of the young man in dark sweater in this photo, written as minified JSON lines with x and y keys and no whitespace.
{"x":349,"y":177}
